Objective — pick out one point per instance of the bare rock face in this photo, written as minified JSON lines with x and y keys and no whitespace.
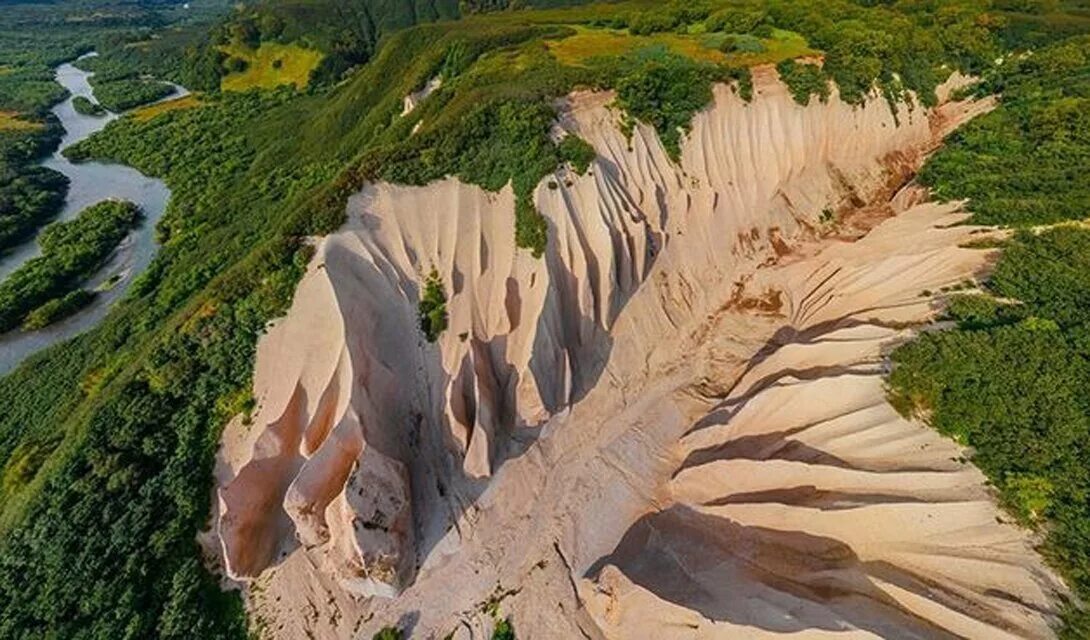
{"x":323,"y":470}
{"x":672,"y":426}
{"x":800,"y":502}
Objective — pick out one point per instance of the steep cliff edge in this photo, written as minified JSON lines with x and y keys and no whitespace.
{"x":673,"y":425}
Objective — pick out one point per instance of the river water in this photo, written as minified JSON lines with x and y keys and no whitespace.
{"x":90,"y":182}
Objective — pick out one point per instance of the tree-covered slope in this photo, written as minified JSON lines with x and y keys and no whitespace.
{"x":349,"y":32}
{"x":1011,"y":380}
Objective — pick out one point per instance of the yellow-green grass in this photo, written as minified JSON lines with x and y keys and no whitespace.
{"x":782,"y":45}
{"x":186,"y":102}
{"x":5,"y":69}
{"x":502,"y":63}
{"x":295,"y":65}
{"x":10,"y":121}
{"x":589,"y":43}
{"x":581,"y":14}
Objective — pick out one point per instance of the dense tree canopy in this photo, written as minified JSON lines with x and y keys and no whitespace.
{"x":1011,"y":381}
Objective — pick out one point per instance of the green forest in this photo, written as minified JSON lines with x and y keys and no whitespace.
{"x":107,"y":446}
{"x":119,"y":86}
{"x":29,"y":194}
{"x":1011,"y":380}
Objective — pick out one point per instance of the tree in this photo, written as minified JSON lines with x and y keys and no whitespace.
{"x":433,"y":307}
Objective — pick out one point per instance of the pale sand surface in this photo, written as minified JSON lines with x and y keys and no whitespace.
{"x":672,"y":426}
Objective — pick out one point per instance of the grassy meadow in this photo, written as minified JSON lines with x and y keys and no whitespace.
{"x":11,"y":121}
{"x":270,"y":65}
{"x":589,"y":43}
{"x":143,"y":114}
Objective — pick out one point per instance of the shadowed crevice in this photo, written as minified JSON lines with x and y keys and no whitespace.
{"x":773,"y":580}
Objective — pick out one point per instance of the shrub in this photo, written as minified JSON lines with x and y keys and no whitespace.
{"x":652,"y":22}
{"x":577,"y":152}
{"x":742,"y":44}
{"x":84,"y":106}
{"x":978,"y":311}
{"x":804,"y":81}
{"x":503,"y":630}
{"x":736,"y":19}
{"x":531,"y":228}
{"x":57,"y":309}
{"x":433,"y":307}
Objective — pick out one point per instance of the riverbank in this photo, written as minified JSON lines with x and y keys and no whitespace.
{"x":90,"y":183}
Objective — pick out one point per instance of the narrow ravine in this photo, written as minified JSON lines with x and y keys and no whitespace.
{"x":90,"y":182}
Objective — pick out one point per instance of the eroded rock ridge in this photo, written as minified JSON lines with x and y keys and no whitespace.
{"x":671,"y":426}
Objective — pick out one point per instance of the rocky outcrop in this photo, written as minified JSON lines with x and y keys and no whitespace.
{"x":322,"y":467}
{"x":673,"y":425}
{"x":414,"y":99}
{"x":802,"y":503}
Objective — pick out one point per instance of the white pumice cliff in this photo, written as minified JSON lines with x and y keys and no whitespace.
{"x":671,"y":426}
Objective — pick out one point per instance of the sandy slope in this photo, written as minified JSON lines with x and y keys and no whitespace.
{"x":672,"y":426}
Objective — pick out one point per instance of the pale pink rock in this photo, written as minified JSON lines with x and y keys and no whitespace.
{"x":671,"y":426}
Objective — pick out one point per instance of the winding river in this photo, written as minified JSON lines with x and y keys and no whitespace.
{"x":90,"y":182}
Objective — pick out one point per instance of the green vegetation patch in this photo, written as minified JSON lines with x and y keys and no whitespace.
{"x":804,"y":80}
{"x":84,"y":106}
{"x":769,"y":47}
{"x":71,"y":252}
{"x":503,"y":630}
{"x":29,"y":194}
{"x":29,"y":89}
{"x":433,"y":307}
{"x":127,"y":93}
{"x":588,"y":44}
{"x":388,"y":633}
{"x":577,"y":152}
{"x":58,"y":309}
{"x":1010,"y":382}
{"x":1024,"y":164}
{"x":666,"y":92}
{"x":120,"y":86}
{"x":268,"y":66}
